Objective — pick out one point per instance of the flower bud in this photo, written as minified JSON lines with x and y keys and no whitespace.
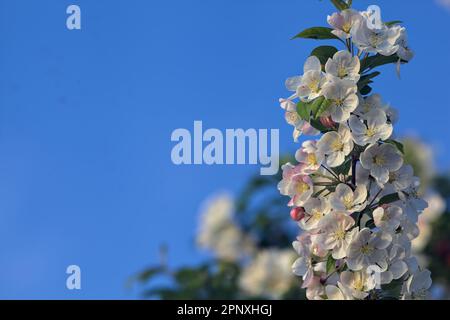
{"x":297,"y":213}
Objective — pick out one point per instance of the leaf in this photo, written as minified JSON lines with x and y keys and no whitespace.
{"x":397,"y":144}
{"x":389,"y":199}
{"x":149,"y":273}
{"x":324,"y":53}
{"x":366,"y":90}
{"x":319,"y":106}
{"x":316,"y":124}
{"x":331,"y":264}
{"x":377,"y":60}
{"x":340,"y":4}
{"x":304,"y":110}
{"x":391,"y":23}
{"x":317,"y":33}
{"x":343,"y":168}
{"x":367,"y":79}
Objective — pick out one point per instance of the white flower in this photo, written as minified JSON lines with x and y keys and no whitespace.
{"x":343,"y":22}
{"x":412,"y":203}
{"x":300,"y":126}
{"x":308,"y":156}
{"x":397,"y":267}
{"x":309,"y":85}
{"x":336,"y":146}
{"x":382,"y":41}
{"x":345,"y":199}
{"x":368,"y":248}
{"x":358,"y":283}
{"x":220,"y":233}
{"x":303,"y":265}
{"x":338,"y":292}
{"x":404,"y":51}
{"x":267,"y":275}
{"x":315,"y":210}
{"x":402,"y":178}
{"x":342,"y":94}
{"x":295,"y":184}
{"x":381,"y":160}
{"x":417,"y":285}
{"x":368,"y":104}
{"x":343,"y":66}
{"x":375,"y":128}
{"x":387,"y":219}
{"x":336,"y":234}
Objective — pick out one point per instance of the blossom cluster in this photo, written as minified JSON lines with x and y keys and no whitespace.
{"x":353,"y":195}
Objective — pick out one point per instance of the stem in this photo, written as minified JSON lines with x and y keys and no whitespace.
{"x":331,"y":172}
{"x":354,"y":162}
{"x":374,"y":198}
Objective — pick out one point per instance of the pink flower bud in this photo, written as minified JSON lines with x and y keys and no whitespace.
{"x":327,"y":122}
{"x":297,"y":213}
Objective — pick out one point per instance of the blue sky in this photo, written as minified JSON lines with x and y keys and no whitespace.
{"x":86,"y":117}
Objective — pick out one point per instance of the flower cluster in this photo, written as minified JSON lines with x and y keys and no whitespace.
{"x":351,"y":192}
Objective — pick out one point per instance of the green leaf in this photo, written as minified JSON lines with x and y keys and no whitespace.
{"x":324,"y":53}
{"x":366,"y":79}
{"x":343,"y":168}
{"x":316,"y":124}
{"x":389,"y":199}
{"x":377,"y":60}
{"x":391,"y":23}
{"x":149,"y":273}
{"x":331,"y":264}
{"x":365,"y":90}
{"x":317,"y":33}
{"x":397,"y":144}
{"x":304,"y":110}
{"x":340,"y":4}
{"x":319,"y":106}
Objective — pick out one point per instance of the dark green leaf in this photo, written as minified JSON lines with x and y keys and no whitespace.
{"x":331,"y":264}
{"x":366,"y":90}
{"x":343,"y":168}
{"x":149,"y":273}
{"x":397,"y":144}
{"x":391,"y":23}
{"x":304,"y":110}
{"x":367,"y":79}
{"x":389,"y":198}
{"x":317,"y":33}
{"x":340,"y":4}
{"x":324,"y":53}
{"x":376,"y":61}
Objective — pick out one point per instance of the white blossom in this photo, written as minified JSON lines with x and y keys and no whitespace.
{"x":315,"y":210}
{"x":343,"y":66}
{"x":345,"y":199}
{"x":387,"y":219}
{"x":343,"y":97}
{"x":370,"y":131}
{"x":343,"y":22}
{"x":336,"y":145}
{"x":381,"y":160}
{"x":336,"y":233}
{"x":368,"y":248}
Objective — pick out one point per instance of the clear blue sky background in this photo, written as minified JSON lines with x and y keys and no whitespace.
{"x":86,"y":118}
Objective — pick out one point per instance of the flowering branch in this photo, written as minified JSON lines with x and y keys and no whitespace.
{"x":354,"y":171}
